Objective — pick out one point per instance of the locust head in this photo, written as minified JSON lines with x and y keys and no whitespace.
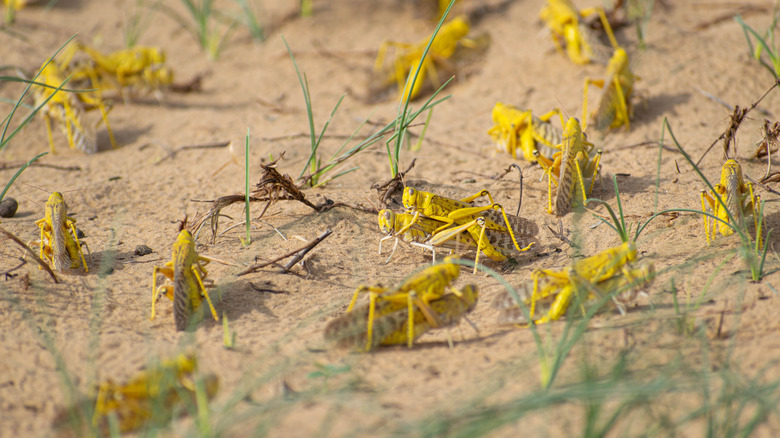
{"x":387,"y":221}
{"x":185,"y":239}
{"x":410,"y":197}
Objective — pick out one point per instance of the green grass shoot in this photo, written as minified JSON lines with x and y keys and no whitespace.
{"x":137,"y":21}
{"x":203,"y":24}
{"x":314,"y":169}
{"x":6,"y":138}
{"x":248,"y":18}
{"x":764,"y":43}
{"x":403,"y":117}
{"x":248,"y":240}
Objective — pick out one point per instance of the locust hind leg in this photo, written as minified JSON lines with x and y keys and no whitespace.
{"x":588,"y":82}
{"x":47,"y":120}
{"x":595,"y":163}
{"x":166,"y":270}
{"x":72,"y":226}
{"x":704,"y":200}
{"x":196,"y":271}
{"x":622,"y":105}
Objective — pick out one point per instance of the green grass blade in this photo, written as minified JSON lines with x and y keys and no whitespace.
{"x":688,"y":158}
{"x":307,"y":99}
{"x":19,"y":172}
{"x":246,"y":188}
{"x":3,"y":139}
{"x":404,"y":104}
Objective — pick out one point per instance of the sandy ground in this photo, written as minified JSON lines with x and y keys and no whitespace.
{"x":97,"y":326}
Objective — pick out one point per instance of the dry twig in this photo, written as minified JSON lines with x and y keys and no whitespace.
{"x":297,"y":254}
{"x":29,"y":252}
{"x":388,"y":188}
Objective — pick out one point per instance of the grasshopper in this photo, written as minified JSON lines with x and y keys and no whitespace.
{"x":59,"y":240}
{"x":466,"y":217}
{"x":67,"y":110}
{"x":187,"y":271}
{"x":11,"y":6}
{"x":420,"y":232}
{"x":393,"y":327}
{"x":417,"y":291}
{"x":417,"y":232}
{"x":575,"y":159}
{"x":140,"y":68}
{"x":515,"y":129}
{"x":582,"y":45}
{"x":555,"y":294}
{"x":614,"y":109}
{"x":739,"y":198}
{"x":408,"y":57}
{"x":151,"y":396}
{"x":595,"y":269}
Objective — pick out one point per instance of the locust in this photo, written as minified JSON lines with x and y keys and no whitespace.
{"x":566,"y":27}
{"x":395,"y":327}
{"x":554,"y":294}
{"x":151,"y":396}
{"x":187,"y":271}
{"x":420,"y":232}
{"x":739,"y":198}
{"x":139,"y":69}
{"x":417,"y":232}
{"x":67,"y":110}
{"x":417,"y":291}
{"x":614,"y":109}
{"x":573,"y":169}
{"x":516,"y":129}
{"x":59,"y":242}
{"x":409,"y":56}
{"x":11,"y":6}
{"x":460,"y":215}
{"x":564,"y":284}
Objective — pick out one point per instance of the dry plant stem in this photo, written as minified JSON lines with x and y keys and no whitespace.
{"x":297,"y":253}
{"x":775,"y":177}
{"x":560,"y":235}
{"x":213,"y":214}
{"x":714,"y":98}
{"x":302,"y":253}
{"x":743,"y":10}
{"x":388,"y":188}
{"x":307,"y":135}
{"x":645,"y":143}
{"x":768,"y":145}
{"x":736,"y":118}
{"x":173,"y":153}
{"x":7,"y":273}
{"x":30,"y":252}
{"x":12,"y":165}
{"x":272,"y":185}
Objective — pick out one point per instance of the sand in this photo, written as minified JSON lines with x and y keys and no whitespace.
{"x":281,"y":378}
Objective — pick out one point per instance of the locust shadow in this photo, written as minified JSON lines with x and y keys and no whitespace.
{"x":627,"y":184}
{"x":124,"y":136}
{"x":652,"y":109}
{"x":242,"y":296}
{"x":771,"y":222}
{"x":108,"y":260}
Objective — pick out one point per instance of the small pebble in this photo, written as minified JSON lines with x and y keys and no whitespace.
{"x":8,"y":207}
{"x":80,"y":234}
{"x":142,"y":250}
